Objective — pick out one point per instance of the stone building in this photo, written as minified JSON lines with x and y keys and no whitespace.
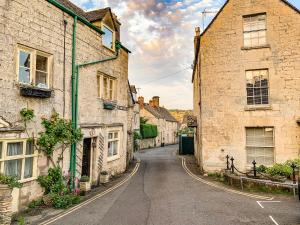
{"x":246,"y":85}
{"x":167,"y":125}
{"x":36,"y":72}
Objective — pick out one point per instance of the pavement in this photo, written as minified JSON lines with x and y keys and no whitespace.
{"x":163,"y":193}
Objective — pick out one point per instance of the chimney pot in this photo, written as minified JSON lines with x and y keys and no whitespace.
{"x":141,"y":102}
{"x":197,"y":31}
{"x":155,"y":101}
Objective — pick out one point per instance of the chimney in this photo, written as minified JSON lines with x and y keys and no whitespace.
{"x":141,"y":102}
{"x":197,"y":31}
{"x":155,"y":100}
{"x":197,"y":38}
{"x":151,"y":103}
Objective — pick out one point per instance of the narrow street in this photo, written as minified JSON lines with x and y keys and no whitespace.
{"x":162,"y":193}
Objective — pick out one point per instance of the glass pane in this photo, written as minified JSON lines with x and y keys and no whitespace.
{"x":1,"y":151}
{"x":14,"y":149}
{"x":107,"y":38}
{"x":110,"y":149}
{"x":24,"y":59}
{"x":42,"y":63}
{"x":110,"y":136}
{"x":105,"y":85}
{"x":24,"y":75}
{"x":250,"y":101}
{"x":115,"y":148}
{"x":116,"y":134}
{"x":41,"y":79}
{"x":29,"y":148}
{"x":28,"y":168}
{"x":13,"y":168}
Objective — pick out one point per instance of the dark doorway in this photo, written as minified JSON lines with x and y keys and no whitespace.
{"x":186,"y":145}
{"x":86,"y":157}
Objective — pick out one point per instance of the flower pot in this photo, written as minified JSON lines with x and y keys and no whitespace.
{"x":85,"y":186}
{"x":104,"y":178}
{"x":5,"y":191}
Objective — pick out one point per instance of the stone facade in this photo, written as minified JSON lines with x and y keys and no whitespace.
{"x":40,"y":27}
{"x":167,"y":125}
{"x":220,"y":96}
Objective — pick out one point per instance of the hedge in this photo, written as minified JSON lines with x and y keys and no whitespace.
{"x":148,"y":131}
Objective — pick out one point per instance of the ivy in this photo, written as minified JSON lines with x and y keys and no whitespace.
{"x":27,"y":114}
{"x":12,"y":182}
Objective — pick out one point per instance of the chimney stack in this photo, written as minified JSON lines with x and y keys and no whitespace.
{"x":141,"y":102}
{"x":155,"y":101}
{"x":197,"y":31}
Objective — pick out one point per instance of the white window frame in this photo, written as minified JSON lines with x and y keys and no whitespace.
{"x":254,"y":31}
{"x":113,"y":38}
{"x":272,"y":147}
{"x":33,"y":57}
{"x":118,"y":139}
{"x":258,"y":88}
{"x":23,"y":156}
{"x":101,"y":88}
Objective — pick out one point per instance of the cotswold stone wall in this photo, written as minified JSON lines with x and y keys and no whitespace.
{"x":223,"y":65}
{"x":39,"y":25}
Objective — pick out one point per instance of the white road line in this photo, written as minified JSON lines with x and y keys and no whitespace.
{"x":92,"y":199}
{"x":220,"y":187}
{"x":260,"y":203}
{"x":274,"y":221}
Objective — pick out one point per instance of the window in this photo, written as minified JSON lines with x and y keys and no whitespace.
{"x":108,"y":38}
{"x":18,"y":158}
{"x":107,"y":87}
{"x":257,"y":87}
{"x":255,"y":30}
{"x":33,"y":67}
{"x":260,"y":145}
{"x":113,"y":143}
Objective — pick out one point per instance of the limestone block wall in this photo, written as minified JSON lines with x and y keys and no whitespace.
{"x":225,"y":115}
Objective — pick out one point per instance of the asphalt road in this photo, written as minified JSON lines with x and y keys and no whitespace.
{"x":162,"y":193}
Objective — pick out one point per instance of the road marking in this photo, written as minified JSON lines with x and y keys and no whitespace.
{"x":274,"y":221}
{"x":260,"y":203}
{"x":92,"y":199}
{"x":220,"y":187}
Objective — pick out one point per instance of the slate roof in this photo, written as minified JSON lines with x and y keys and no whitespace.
{"x":73,"y":7}
{"x":160,"y":113}
{"x":96,"y":14}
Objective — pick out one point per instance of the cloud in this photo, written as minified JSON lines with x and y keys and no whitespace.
{"x":160,"y":35}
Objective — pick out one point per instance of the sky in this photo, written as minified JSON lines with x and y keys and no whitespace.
{"x":160,"y":34}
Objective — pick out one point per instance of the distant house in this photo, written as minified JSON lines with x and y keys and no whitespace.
{"x":167,"y":125}
{"x":246,"y":85}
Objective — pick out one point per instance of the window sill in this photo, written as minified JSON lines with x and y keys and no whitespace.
{"x":110,"y":49}
{"x":32,"y":91}
{"x":256,"y":47}
{"x":258,"y":107}
{"x":113,"y":158}
{"x":27,"y":180}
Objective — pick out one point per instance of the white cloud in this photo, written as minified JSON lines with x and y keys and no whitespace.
{"x":160,"y":35}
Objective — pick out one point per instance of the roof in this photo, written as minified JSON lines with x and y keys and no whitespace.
{"x":160,"y":113}
{"x":96,"y":14}
{"x":210,"y":24}
{"x":73,"y":7}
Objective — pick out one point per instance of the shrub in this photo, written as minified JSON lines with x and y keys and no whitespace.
{"x":148,"y":131}
{"x":27,"y":114}
{"x":280,"y":170}
{"x":261,"y":169}
{"x":35,"y":203}
{"x":11,"y":181}
{"x":64,"y":201}
{"x":53,"y":182}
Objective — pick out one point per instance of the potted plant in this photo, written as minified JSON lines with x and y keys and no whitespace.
{"x":104,"y":177}
{"x":7,"y":183}
{"x":85,"y":184}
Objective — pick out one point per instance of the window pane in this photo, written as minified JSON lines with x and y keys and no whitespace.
{"x":105,"y":85}
{"x":13,"y":168}
{"x":29,"y":148}
{"x":116,"y":134}
{"x":28,"y":168}
{"x":110,"y":149}
{"x":14,"y":149}
{"x":107,"y":38}
{"x":1,"y":151}
{"x":110,"y":136}
{"x":24,"y":59}
{"x":41,"y":79}
{"x":24,"y":75}
{"x":115,"y":149}
{"x":42,"y":63}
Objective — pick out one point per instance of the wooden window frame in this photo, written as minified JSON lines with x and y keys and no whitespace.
{"x":260,"y":146}
{"x":102,"y":90}
{"x":33,"y":57}
{"x":113,"y":38}
{"x":114,"y":139}
{"x":4,"y":158}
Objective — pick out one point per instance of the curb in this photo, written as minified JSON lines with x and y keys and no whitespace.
{"x":75,"y":208}
{"x":220,"y":187}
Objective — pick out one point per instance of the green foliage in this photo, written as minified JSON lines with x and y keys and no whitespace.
{"x":35,"y":203}
{"x":137,"y":136}
{"x":143,"y":120}
{"x":21,"y":220}
{"x":57,"y":131}
{"x":53,"y":182}
{"x":12,"y":182}
{"x":148,"y":131}
{"x":64,"y":201}
{"x":295,"y":162}
{"x":27,"y":114}
{"x":84,"y":179}
{"x":261,"y":169}
{"x":280,"y":170}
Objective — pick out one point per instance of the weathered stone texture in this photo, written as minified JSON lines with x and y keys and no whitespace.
{"x":224,"y":114}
